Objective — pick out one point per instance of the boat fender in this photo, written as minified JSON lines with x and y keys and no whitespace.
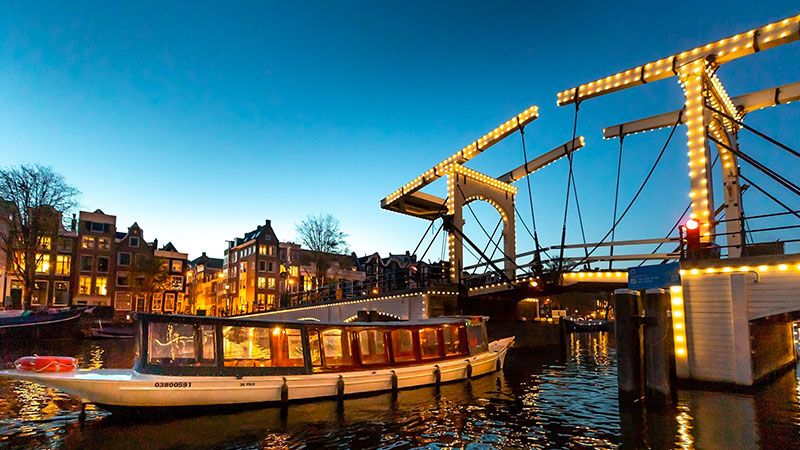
{"x":284,"y":391}
{"x":469,"y":369}
{"x":340,"y":387}
{"x":394,"y":381}
{"x":437,"y":375}
{"x":38,"y":363}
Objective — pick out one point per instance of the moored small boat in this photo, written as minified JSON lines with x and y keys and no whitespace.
{"x":186,"y":361}
{"x":25,"y":324}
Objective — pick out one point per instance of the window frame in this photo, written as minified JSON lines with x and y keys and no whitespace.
{"x":141,"y":364}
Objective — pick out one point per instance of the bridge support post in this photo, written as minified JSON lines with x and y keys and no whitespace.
{"x":658,"y":349}
{"x":629,"y":344}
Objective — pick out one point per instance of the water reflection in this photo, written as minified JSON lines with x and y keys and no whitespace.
{"x":542,"y":400}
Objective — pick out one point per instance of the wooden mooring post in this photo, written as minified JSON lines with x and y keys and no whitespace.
{"x":627,"y":313}
{"x":658,"y":348}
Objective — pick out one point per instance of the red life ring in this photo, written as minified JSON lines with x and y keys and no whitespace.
{"x":46,"y":364}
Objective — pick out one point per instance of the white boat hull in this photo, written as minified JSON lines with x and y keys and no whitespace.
{"x":126,"y":388}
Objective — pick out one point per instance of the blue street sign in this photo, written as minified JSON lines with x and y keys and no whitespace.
{"x":657,"y":276}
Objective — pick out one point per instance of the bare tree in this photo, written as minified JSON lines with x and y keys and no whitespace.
{"x":33,"y":200}
{"x":148,"y":274}
{"x":322,"y":236}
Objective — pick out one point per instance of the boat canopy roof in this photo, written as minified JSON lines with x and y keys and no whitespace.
{"x":246,"y":319}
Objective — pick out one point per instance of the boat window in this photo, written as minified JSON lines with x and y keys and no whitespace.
{"x":313,"y":344}
{"x":290,"y":343}
{"x":428,"y":343}
{"x":181,"y":344}
{"x":452,"y":339}
{"x":476,"y":337}
{"x":403,"y":346}
{"x":372,"y":347}
{"x":336,"y":348}
{"x":246,"y":346}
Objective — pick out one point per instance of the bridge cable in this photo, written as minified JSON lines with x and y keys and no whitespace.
{"x":755,"y":131}
{"x":636,"y":195}
{"x":770,"y":196}
{"x":616,"y":200}
{"x":491,"y":241}
{"x":441,"y":207}
{"x":761,"y":167}
{"x":497,"y":244}
{"x":570,"y":180}
{"x":525,"y":225}
{"x":432,"y":241}
{"x":530,"y":191}
{"x":680,"y":219}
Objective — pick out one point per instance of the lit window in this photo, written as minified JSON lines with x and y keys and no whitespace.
{"x":262,"y":282}
{"x":177,"y":265}
{"x":271,"y":301}
{"x":101,"y":286}
{"x":122,"y":301}
{"x":293,"y":271}
{"x":42,"y":263}
{"x":63,"y":263}
{"x":247,"y":346}
{"x":428,"y":343}
{"x":262,"y":249}
{"x":85,"y":285}
{"x":371,"y":347}
{"x":45,"y":242}
{"x":403,"y":346}
{"x":169,"y":301}
{"x":87,"y":242}
{"x":157,"y":299}
{"x":177,"y":283}
{"x":271,"y":283}
{"x":271,"y":250}
{"x":452,"y":339}
{"x":261,"y":298}
{"x":181,"y":344}
{"x":103,"y":243}
{"x":336,"y":348}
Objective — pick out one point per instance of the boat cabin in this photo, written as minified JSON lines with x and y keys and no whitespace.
{"x":215,"y":346}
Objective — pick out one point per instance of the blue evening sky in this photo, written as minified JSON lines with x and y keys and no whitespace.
{"x":201,"y":121}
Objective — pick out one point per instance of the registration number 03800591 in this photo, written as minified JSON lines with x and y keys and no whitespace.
{"x":173,"y":384}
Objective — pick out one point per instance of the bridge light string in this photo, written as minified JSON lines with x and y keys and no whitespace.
{"x":722,"y":51}
{"x":466,"y":153}
{"x":354,"y":302}
{"x":679,"y":330}
{"x":692,"y":80}
{"x":761,"y":268}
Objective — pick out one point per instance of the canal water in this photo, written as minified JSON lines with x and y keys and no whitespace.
{"x":541,"y":400}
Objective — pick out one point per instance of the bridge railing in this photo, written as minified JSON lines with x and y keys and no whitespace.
{"x":385,"y":284}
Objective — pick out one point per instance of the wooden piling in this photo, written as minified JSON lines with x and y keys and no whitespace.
{"x":658,"y":347}
{"x":629,"y":346}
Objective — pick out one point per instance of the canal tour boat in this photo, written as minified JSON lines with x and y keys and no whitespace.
{"x":189,"y":361}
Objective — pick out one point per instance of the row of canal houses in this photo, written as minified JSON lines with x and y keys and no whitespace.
{"x":92,"y":262}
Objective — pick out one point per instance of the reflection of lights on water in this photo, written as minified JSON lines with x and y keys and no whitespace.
{"x":685,"y":438}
